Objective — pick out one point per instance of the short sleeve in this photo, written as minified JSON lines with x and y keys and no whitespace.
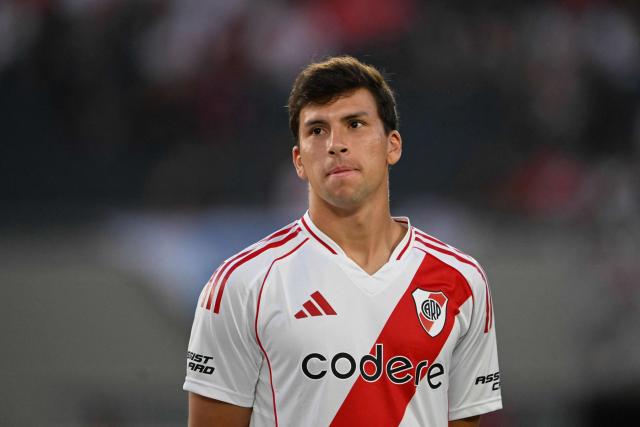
{"x":474,"y":383}
{"x":223,"y":358}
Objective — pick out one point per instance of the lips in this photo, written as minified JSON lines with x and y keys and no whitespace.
{"x":341,"y":170}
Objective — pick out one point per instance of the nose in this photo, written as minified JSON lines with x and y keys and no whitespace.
{"x":336,"y":144}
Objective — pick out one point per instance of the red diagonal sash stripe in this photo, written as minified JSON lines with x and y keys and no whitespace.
{"x":488,"y":309}
{"x":383,"y":403}
{"x":447,"y":248}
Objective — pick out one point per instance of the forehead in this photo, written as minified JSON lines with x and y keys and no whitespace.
{"x":357,"y":101}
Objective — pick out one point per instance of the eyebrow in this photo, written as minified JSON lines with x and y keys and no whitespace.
{"x":344,"y":119}
{"x":314,"y":122}
{"x":355,"y":115}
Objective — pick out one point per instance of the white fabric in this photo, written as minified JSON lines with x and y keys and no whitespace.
{"x":275,"y":278}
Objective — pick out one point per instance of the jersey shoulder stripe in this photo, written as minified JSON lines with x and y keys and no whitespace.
{"x":207,"y":294}
{"x":254,"y":259}
{"x":315,"y":236}
{"x":434,"y":245}
{"x":409,"y":240}
{"x":205,"y":298}
{"x":264,"y":280}
{"x":461,"y":256}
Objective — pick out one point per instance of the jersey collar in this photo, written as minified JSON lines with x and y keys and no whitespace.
{"x":322,"y":239}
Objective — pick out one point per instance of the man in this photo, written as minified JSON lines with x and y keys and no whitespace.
{"x":347,"y":316}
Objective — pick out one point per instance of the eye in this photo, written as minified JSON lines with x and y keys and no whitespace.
{"x":316,"y":131}
{"x":355,"y":124}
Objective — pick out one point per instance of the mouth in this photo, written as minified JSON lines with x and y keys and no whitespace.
{"x":342,"y":171}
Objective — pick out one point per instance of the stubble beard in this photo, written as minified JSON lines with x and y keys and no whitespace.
{"x":352,"y":199}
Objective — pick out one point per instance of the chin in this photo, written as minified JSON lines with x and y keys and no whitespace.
{"x":345,"y":200}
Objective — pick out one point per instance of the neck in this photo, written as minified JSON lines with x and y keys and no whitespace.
{"x":367,"y":233}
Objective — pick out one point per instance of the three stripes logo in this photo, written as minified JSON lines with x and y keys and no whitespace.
{"x":316,"y":306}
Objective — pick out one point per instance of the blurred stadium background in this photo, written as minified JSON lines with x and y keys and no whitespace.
{"x":142,"y":142}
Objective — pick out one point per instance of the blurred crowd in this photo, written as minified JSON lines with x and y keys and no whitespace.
{"x":528,"y":106}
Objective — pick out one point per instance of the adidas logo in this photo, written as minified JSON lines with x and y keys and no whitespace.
{"x":316,"y":306}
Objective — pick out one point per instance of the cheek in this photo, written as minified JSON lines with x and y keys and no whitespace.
{"x":376,"y":153}
{"x":311,"y":164}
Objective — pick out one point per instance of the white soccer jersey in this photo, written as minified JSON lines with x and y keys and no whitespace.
{"x":295,"y":329}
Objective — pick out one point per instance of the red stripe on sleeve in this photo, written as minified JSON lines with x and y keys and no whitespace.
{"x":221,"y":271}
{"x":433,"y":239}
{"x":489,"y":324}
{"x":487,"y":307}
{"x":456,"y":256}
{"x":215,"y":278}
{"x":452,"y":249}
{"x":205,"y":291}
{"x":273,"y":391}
{"x":207,"y":288}
{"x":248,"y":257}
{"x":383,"y":403}
{"x":279,"y":233}
{"x":490,"y":309}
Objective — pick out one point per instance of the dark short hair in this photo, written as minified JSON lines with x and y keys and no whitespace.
{"x":324,"y":82}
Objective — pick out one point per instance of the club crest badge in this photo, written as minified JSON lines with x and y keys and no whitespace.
{"x":431,"y":308}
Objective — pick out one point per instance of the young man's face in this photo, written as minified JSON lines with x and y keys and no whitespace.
{"x":343,"y":150}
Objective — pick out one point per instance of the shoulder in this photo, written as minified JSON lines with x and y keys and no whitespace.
{"x":464,"y":263}
{"x":240,"y":273}
{"x":256,"y":258}
{"x":468,"y":267}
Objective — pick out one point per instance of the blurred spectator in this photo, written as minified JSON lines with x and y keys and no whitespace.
{"x":125,"y":99}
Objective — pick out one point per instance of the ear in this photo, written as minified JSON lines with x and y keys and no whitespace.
{"x":394,"y":147}
{"x":297,"y":162}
